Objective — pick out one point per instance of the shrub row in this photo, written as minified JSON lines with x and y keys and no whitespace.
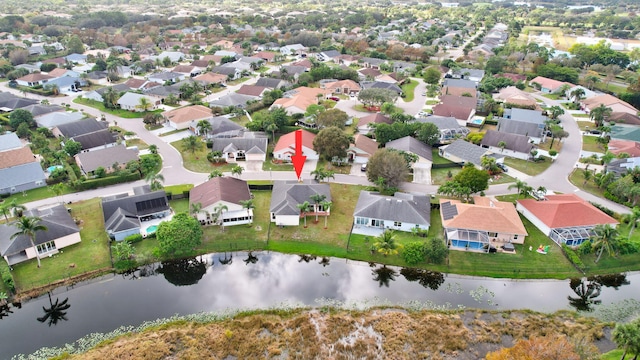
{"x":111,"y":180}
{"x":573,"y":257}
{"x":7,"y":278}
{"x":134,"y":238}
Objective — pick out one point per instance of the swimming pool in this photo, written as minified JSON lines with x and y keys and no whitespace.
{"x":477,"y":121}
{"x":151,"y":229}
{"x":52,"y":168}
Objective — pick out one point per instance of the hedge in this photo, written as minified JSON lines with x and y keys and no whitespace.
{"x":132,"y":239}
{"x":111,"y":180}
{"x":7,"y":278}
{"x":573,"y":257}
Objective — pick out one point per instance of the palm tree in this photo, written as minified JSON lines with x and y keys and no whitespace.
{"x":153,"y":148}
{"x":317,"y":199}
{"x":627,"y":337}
{"x":383,"y":275}
{"x":319,"y":175}
{"x":144,"y":104}
{"x":57,"y":189}
{"x":587,"y":291}
{"x":272,"y":127}
{"x":605,"y":236}
{"x":541,"y":189}
{"x":586,"y":173}
{"x":248,"y":204}
{"x":326,"y":205}
{"x":56,"y":311}
{"x":599,"y":114}
{"x":555,"y":111}
{"x":16,"y":208}
{"x":386,"y":244}
{"x":632,"y":218}
{"x":518,"y":185}
{"x":304,"y":207}
{"x":29,"y":226}
{"x":218,"y":211}
{"x":5,"y":210}
{"x":204,"y":127}
{"x":195,"y":209}
{"x":502,"y":145}
{"x":237,"y":170}
{"x":192,"y":144}
{"x":215,"y":174}
{"x":577,"y":95}
{"x":155,"y":180}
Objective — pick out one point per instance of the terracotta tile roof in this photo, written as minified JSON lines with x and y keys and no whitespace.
{"x":226,"y":189}
{"x":267,"y":55}
{"x":606,"y":100}
{"x":566,"y":210}
{"x":303,"y":97}
{"x":135,"y":83}
{"x":306,"y":63}
{"x":183,"y":69}
{"x":630,"y":147}
{"x":549,"y":83}
{"x":188,"y":114}
{"x":289,"y":140}
{"x":485,"y":214}
{"x":15,"y":157}
{"x":370,"y":72}
{"x":251,"y":90}
{"x":57,"y":72}
{"x":460,"y":101}
{"x":211,"y":78}
{"x":214,"y":58}
{"x":350,"y":84}
{"x":458,"y":91}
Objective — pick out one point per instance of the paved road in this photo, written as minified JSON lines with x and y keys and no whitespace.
{"x":554,"y":178}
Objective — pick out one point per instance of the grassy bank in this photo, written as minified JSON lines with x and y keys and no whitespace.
{"x":117,"y":112}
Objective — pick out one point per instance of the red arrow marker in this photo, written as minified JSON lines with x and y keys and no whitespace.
{"x":298,"y":159}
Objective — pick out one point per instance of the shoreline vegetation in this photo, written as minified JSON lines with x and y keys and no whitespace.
{"x":77,"y":263}
{"x":331,"y":331}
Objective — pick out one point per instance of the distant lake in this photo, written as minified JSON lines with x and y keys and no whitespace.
{"x":216,"y":282}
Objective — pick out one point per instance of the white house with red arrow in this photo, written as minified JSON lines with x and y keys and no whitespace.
{"x":285,"y":148}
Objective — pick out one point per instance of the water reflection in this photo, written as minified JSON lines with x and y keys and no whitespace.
{"x":325,"y":261}
{"x":251,"y":259}
{"x":226,"y":260}
{"x":306,"y":258}
{"x":5,"y":310}
{"x":383,"y":275}
{"x":56,"y":312}
{"x":429,"y":279}
{"x":589,"y":289}
{"x":183,"y":272}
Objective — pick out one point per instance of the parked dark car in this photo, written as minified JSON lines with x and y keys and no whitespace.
{"x":334,"y":98}
{"x":595,"y":132}
{"x":502,"y":167}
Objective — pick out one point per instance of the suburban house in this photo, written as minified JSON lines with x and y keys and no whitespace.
{"x":361,"y":150}
{"x":272,"y":83}
{"x":404,"y":67}
{"x":252,"y":90}
{"x":516,"y":97}
{"x":516,"y":146}
{"x":218,"y":192}
{"x":297,"y":101}
{"x":481,"y":226}
{"x":174,"y":56}
{"x":566,"y":219}
{"x":233,"y":100}
{"x":54,"y":119}
{"x":624,"y":146}
{"x":530,"y":123}
{"x":462,"y":152}
{"x":90,"y":133}
{"x":373,"y":63}
{"x":449,"y":128}
{"x":621,"y":167}
{"x":460,"y":87}
{"x":61,"y":232}
{"x":105,"y":158}
{"x":20,"y":170}
{"x":364,"y":123}
{"x":38,"y":110}
{"x":610,"y":101}
{"x":189,"y":70}
{"x":287,"y":195}
{"x":241,"y":149}
{"x":221,"y":127}
{"x":381,"y":85}
{"x":209,"y":78}
{"x":34,"y":79}
{"x":346,"y":87}
{"x":624,"y":118}
{"x":375,"y":213}
{"x":293,"y":49}
{"x":548,"y":86}
{"x":167,"y":77}
{"x":587,"y":93}
{"x":422,"y":167}
{"x":10,"y":102}
{"x":182,"y":118}
{"x":140,"y":213}
{"x":286,"y":146}
{"x":131,"y":101}
{"x":474,"y":75}
{"x":232,"y":73}
{"x":97,"y":95}
{"x":462,"y":108}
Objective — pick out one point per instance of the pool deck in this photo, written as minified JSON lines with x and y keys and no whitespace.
{"x":146,"y":224}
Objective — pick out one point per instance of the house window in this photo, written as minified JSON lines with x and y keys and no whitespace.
{"x":46,"y":247}
{"x":377,"y":223}
{"x":397,"y":224}
{"x":515,"y":237}
{"x":361,"y":221}
{"x":492,"y":234}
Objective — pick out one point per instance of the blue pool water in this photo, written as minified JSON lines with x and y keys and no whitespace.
{"x":52,"y":168}
{"x":477,"y":121}
{"x":151,"y":229}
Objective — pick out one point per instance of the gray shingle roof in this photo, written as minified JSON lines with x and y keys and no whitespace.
{"x":233,"y":99}
{"x":270,"y":82}
{"x":119,"y":210}
{"x":95,"y":139}
{"x":56,"y":119}
{"x":92,"y":160}
{"x":525,"y":115}
{"x":460,"y":83}
{"x":39,"y":109}
{"x":520,"y":128}
{"x":21,"y":174}
{"x":381,"y":85}
{"x":515,"y":142}
{"x":82,"y":127}
{"x":466,"y":151}
{"x":413,"y":209}
{"x":9,"y":141}
{"x":57,"y":220}
{"x":286,"y":195}
{"x":256,"y":146}
{"x":411,"y":145}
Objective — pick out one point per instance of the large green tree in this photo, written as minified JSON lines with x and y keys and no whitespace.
{"x":428,"y":133}
{"x":605,"y":238}
{"x":388,"y":165}
{"x":192,"y":144}
{"x":28,"y":226}
{"x":333,"y":117}
{"x":476,"y":180}
{"x":179,"y":236}
{"x":375,"y":96}
{"x":331,"y":142}
{"x":19,"y":116}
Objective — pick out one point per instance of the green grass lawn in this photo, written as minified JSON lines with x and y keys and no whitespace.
{"x":172,"y":132}
{"x":137,"y":142}
{"x":432,"y":102}
{"x":503,"y":178}
{"x":552,"y":96}
{"x":322,"y":163}
{"x":197,"y":161}
{"x":409,"y":90}
{"x":90,"y":255}
{"x":179,"y":205}
{"x":529,"y":167}
{"x":437,"y":159}
{"x":577,"y":179}
{"x":586,"y":125}
{"x":117,"y":112}
{"x":580,"y":115}
{"x":589,"y":143}
{"x":36,"y":194}
{"x":546,"y":145}
{"x":440,"y":176}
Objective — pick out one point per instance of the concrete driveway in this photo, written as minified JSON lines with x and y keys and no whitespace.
{"x":175,"y":137}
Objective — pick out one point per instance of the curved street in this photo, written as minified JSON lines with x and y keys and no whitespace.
{"x":555,"y":178}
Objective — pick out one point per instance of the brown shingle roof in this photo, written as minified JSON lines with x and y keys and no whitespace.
{"x":365,"y":144}
{"x":376,"y":118}
{"x":251,"y":90}
{"x":188,"y":113}
{"x":227,"y":189}
{"x":456,"y":111}
{"x":624,"y":118}
{"x":461,"y":101}
{"x":15,"y":157}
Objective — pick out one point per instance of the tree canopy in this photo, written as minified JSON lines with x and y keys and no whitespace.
{"x":333,"y":117}
{"x":178,"y":236}
{"x":331,"y":142}
{"x":389,"y":165}
{"x":374,"y":96}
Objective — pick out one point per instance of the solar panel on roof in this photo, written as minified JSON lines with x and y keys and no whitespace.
{"x":448,"y":211}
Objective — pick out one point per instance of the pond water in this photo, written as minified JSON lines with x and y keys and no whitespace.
{"x":217,"y":282}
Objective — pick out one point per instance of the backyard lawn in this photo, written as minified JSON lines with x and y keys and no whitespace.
{"x":322,"y":164}
{"x":440,"y":176}
{"x":137,"y":142}
{"x":90,"y":255}
{"x":529,"y":167}
{"x":117,"y":112}
{"x":409,"y":90}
